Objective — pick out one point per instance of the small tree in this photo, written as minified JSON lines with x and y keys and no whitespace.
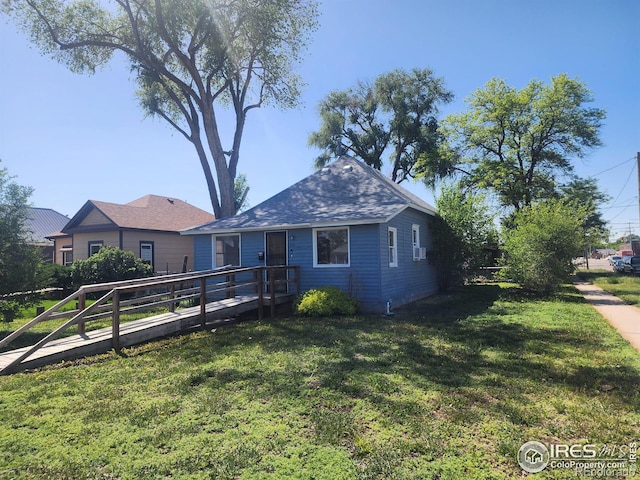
{"x":19,"y":259}
{"x":464,"y":229}
{"x":110,"y":264}
{"x":540,"y":249}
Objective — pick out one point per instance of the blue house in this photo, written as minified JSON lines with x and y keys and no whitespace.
{"x":346,"y":225}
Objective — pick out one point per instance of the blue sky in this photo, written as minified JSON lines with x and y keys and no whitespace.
{"x":78,"y":137}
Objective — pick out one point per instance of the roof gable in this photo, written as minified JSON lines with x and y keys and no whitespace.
{"x":151,"y":212}
{"x":347,"y":191}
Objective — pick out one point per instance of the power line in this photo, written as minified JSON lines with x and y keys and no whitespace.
{"x":611,"y":168}
{"x":622,"y":189}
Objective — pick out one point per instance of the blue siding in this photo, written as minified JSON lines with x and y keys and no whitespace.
{"x":250,"y":244}
{"x":410,"y":280}
{"x":361,"y":279}
{"x":369,"y":277}
{"x":203,"y":252}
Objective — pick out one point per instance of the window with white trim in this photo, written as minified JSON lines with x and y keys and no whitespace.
{"x":393,"y":247}
{"x":146,"y":252}
{"x":227,"y":250}
{"x":94,"y":247}
{"x":331,"y":247}
{"x":67,"y":255}
{"x":415,"y":241}
{"x":415,"y":235}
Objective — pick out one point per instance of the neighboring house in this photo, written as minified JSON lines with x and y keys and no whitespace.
{"x":149,"y":227}
{"x":346,"y":225}
{"x":39,"y":223}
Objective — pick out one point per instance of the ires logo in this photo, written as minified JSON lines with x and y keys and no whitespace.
{"x":535,"y":456}
{"x":560,"y":452}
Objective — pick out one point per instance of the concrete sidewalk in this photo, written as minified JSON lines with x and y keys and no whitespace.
{"x":625,"y":318}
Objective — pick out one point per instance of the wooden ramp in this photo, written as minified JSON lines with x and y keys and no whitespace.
{"x":228,"y":286}
{"x":131,"y":333}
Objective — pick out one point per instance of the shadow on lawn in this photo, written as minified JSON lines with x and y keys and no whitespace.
{"x":443,"y":343}
{"x":464,"y":344}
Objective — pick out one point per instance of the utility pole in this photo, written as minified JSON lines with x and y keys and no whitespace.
{"x":638,"y":170}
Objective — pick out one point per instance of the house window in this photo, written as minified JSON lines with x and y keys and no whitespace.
{"x":331,"y":247}
{"x":67,"y":255}
{"x":415,"y":241}
{"x":227,"y":250}
{"x":393,"y":247}
{"x":94,"y":247}
{"x":146,"y":252}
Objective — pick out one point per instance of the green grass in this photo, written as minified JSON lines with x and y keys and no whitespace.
{"x":447,"y":389}
{"x":623,"y":285}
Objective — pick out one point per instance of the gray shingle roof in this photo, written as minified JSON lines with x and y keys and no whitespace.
{"x":347,"y":191}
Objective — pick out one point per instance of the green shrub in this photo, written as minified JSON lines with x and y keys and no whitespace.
{"x":542,"y":244}
{"x":8,"y":310}
{"x":325,"y":301}
{"x":110,"y":264}
{"x":55,"y":276}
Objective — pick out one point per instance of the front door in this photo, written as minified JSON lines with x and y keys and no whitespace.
{"x":276,"y":246}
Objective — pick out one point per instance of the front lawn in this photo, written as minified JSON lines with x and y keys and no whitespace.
{"x":447,"y":389}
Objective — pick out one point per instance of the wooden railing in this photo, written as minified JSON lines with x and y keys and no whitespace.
{"x":118,"y":299}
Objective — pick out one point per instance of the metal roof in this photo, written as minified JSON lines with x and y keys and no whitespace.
{"x":41,"y":222}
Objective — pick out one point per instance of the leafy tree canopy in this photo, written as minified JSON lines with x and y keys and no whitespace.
{"x":586,"y":194}
{"x":19,"y":259}
{"x":394,"y":116}
{"x":516,"y":143}
{"x":464,"y":235}
{"x":188,"y":57}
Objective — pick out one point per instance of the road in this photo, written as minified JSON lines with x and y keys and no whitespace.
{"x":595,"y":264}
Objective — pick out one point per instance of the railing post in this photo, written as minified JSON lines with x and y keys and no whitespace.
{"x":82,"y":304}
{"x":115,"y":327}
{"x":172,"y":296}
{"x":231,"y":282}
{"x":272,"y":291}
{"x":203,"y":302}
{"x":260,"y":291}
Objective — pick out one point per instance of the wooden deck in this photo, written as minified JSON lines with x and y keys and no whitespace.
{"x":131,"y":333}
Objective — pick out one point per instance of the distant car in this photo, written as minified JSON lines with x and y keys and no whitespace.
{"x":613,"y":259}
{"x":618,"y":266}
{"x":631,"y":264}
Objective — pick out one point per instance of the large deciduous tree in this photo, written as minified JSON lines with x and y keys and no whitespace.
{"x":189,"y":57}
{"x":394,"y":116}
{"x":516,"y":143}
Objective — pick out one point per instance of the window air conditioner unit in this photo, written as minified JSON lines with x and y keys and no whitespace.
{"x":423,"y":253}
